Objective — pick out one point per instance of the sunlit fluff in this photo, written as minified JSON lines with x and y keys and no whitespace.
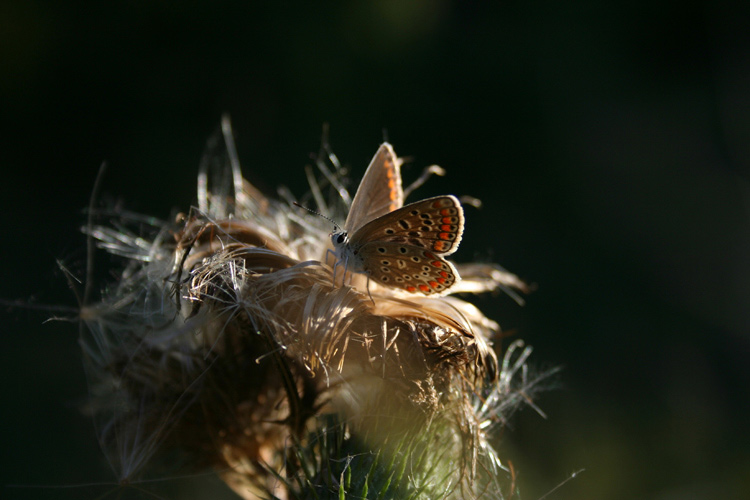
{"x":227,"y":341}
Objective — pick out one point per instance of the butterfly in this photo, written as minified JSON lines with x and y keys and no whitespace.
{"x":399,"y":246}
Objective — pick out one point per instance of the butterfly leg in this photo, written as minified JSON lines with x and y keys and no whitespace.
{"x":335,"y":264}
{"x":345,"y":262}
{"x":368,"y":288}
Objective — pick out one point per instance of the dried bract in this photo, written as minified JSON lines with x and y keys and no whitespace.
{"x":227,"y":341}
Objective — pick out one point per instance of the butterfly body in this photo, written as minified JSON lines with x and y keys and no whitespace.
{"x":399,"y":246}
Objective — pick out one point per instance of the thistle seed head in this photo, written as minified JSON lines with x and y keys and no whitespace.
{"x":226,"y":338}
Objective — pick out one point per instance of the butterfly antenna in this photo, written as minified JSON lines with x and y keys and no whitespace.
{"x":319,"y":214}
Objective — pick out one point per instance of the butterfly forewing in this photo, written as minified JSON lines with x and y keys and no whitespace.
{"x":435,"y":224}
{"x":380,"y":191}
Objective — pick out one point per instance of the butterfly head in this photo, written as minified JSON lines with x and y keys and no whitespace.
{"x":339,"y":237}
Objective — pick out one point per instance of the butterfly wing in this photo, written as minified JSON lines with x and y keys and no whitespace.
{"x":380,"y":191}
{"x":407,"y":267}
{"x":435,"y":224}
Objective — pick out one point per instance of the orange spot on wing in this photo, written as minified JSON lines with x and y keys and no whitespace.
{"x":444,"y":236}
{"x":433,"y":284}
{"x":411,"y":288}
{"x":444,"y":274}
{"x":436,"y":263}
{"x":441,"y":281}
{"x":446,"y":227}
{"x":391,"y":174}
{"x":424,"y":288}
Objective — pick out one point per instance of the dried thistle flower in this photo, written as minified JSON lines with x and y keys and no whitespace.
{"x":225,"y":341}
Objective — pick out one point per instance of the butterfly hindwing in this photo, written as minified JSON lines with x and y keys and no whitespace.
{"x":407,"y":267}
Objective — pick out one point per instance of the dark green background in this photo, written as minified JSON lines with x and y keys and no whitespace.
{"x":609,"y":141}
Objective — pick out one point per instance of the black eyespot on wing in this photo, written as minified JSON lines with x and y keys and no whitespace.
{"x":381,"y":249}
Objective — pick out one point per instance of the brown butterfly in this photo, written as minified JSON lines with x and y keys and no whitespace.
{"x":399,"y":246}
